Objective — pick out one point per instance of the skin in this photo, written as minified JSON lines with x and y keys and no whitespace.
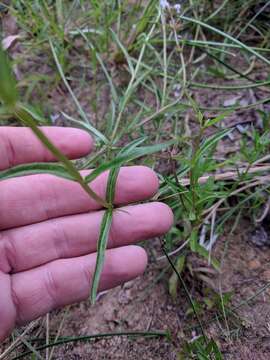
{"x":49,"y":228}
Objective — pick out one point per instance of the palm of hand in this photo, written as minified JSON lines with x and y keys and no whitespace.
{"x":49,"y":228}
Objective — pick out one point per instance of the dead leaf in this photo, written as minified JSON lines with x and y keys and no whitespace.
{"x":9,"y":41}
{"x":232,"y":101}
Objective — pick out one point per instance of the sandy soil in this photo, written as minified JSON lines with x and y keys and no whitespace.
{"x":145,"y":305}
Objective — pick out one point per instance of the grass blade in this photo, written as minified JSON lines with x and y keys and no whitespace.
{"x":8,"y":90}
{"x":107,"y":218}
{"x":133,"y":154}
{"x":101,"y":248}
{"x":110,"y":191}
{"x":94,"y":131}
{"x":230,"y":87}
{"x":124,"y":51}
{"x":26,"y":118}
{"x":179,"y":276}
{"x":155,"y":333}
{"x":36,"y":168}
{"x":222,"y":33}
{"x":101,"y":62}
{"x":211,"y":141}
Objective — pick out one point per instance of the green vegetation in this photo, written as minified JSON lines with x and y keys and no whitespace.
{"x":153,"y":78}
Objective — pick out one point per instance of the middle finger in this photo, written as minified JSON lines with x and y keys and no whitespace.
{"x":35,"y":198}
{"x":71,"y":236}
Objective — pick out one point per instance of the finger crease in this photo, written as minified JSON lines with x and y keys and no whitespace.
{"x":10,"y":152}
{"x":9,"y":253}
{"x":113,"y":236}
{"x":60,"y":240}
{"x":15,"y":301}
{"x":46,"y":200}
{"x":87,"y":275}
{"x":51,"y":288}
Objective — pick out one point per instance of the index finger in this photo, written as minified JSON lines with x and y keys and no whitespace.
{"x":19,"y":145}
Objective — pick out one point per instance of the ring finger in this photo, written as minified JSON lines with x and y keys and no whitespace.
{"x":71,"y":236}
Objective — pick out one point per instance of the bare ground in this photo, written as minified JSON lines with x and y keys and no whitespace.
{"x":145,"y":304}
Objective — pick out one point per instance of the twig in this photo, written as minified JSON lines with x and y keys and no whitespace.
{"x":229,"y":175}
{"x":47,"y":334}
{"x":174,"y":251}
{"x":18,"y":339}
{"x":265,"y":212}
{"x":247,"y":186}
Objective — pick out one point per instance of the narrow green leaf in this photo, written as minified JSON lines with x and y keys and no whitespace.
{"x":101,"y":247}
{"x":222,"y":33}
{"x":230,"y":87}
{"x":5,"y":112}
{"x":211,"y":122}
{"x":173,"y":281}
{"x":39,"y":118}
{"x":85,"y":338}
{"x":196,"y":109}
{"x":204,"y":253}
{"x":110,"y":191}
{"x":107,"y":218}
{"x":36,"y":168}
{"x":124,"y":51}
{"x":216,"y":351}
{"x":132,"y":145}
{"x":123,"y":158}
{"x":23,"y":114}
{"x":141,"y":26}
{"x":8,"y":90}
{"x":82,"y":124}
{"x":211,"y":141}
{"x":193,"y":240}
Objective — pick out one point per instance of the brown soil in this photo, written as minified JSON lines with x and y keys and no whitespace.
{"x":145,"y":304}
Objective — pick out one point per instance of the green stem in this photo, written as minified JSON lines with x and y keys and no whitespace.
{"x":25,"y":117}
{"x":186,"y":291}
{"x":232,"y":87}
{"x":96,"y":336}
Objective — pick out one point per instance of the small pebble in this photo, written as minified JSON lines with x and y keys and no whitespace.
{"x":254,"y":264}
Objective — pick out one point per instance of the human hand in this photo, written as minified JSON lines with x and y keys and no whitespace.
{"x":49,"y":228}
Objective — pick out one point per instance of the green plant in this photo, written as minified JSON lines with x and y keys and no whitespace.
{"x":66,"y":169}
{"x":196,"y":349}
{"x":147,"y":70}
